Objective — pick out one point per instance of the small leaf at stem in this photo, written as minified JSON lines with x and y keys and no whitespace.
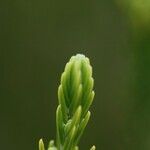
{"x":41,"y":145}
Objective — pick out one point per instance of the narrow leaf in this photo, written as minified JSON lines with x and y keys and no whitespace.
{"x":41,"y":145}
{"x":93,"y":147}
{"x":82,"y":127}
{"x":59,"y":124}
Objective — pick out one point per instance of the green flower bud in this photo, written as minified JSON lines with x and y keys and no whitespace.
{"x":75,"y":95}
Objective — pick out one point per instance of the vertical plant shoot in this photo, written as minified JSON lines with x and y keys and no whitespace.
{"x":75,"y":96}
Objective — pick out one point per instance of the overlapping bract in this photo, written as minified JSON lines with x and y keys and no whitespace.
{"x":75,"y":95}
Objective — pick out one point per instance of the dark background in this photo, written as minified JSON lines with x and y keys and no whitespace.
{"x":37,"y":38}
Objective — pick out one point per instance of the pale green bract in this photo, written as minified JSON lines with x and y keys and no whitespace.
{"x":75,"y":95}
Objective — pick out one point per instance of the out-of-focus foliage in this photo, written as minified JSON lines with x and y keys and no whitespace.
{"x":138,"y":14}
{"x":138,"y":11}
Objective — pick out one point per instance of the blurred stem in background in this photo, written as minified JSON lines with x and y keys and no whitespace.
{"x":138,"y":14}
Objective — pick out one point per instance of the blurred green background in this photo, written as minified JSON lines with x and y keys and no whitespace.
{"x":36,"y":40}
